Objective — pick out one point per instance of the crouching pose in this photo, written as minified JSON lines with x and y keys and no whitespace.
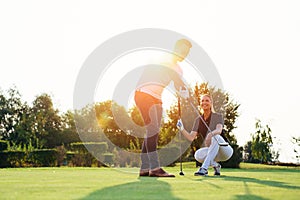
{"x":214,"y":149}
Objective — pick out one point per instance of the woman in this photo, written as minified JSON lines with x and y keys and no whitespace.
{"x":212,"y":152}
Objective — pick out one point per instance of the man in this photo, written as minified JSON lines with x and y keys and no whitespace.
{"x":148,"y":98}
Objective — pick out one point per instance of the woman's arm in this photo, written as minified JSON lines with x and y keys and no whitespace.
{"x":213,"y":133}
{"x":218,"y":130}
{"x":190,"y":136}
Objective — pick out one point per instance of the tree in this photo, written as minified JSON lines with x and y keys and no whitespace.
{"x":3,"y":102}
{"x":15,"y":119}
{"x":115,"y":123}
{"x":69,"y":132}
{"x":261,"y":142}
{"x":136,"y":116}
{"x":48,"y":124}
{"x":248,"y":157}
{"x":296,"y":142}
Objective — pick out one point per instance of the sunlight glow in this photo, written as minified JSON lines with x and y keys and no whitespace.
{"x":125,"y":64}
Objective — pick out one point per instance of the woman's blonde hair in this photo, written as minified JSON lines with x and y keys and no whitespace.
{"x":212,"y":103}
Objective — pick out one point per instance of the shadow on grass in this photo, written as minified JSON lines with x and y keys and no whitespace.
{"x":262,"y":182}
{"x":143,"y":188}
{"x":249,"y":197}
{"x":246,"y":180}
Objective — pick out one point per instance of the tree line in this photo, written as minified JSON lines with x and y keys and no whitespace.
{"x":41,"y":126}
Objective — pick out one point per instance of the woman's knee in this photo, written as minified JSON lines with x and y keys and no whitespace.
{"x":224,"y":154}
{"x":201,"y":154}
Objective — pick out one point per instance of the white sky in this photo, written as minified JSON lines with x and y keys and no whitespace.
{"x":254,"y":44}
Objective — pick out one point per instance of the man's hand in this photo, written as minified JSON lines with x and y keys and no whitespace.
{"x":180,"y":125}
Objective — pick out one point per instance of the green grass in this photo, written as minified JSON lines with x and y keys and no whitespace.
{"x":250,"y":182}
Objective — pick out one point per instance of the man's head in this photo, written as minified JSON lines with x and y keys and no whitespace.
{"x":181,"y":49}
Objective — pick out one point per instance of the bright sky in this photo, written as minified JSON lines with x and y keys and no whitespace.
{"x":255,"y":46}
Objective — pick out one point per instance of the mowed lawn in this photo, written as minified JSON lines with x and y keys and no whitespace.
{"x":250,"y":182}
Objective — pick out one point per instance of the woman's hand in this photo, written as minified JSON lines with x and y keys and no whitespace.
{"x":208,"y":139}
{"x":180,"y":125}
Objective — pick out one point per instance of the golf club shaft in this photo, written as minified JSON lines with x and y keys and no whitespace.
{"x":179,"y":116}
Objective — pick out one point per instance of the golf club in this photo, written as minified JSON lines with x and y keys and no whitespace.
{"x":196,"y":110}
{"x":180,"y":149}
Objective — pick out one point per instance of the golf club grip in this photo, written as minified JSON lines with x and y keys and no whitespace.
{"x":179,"y":107}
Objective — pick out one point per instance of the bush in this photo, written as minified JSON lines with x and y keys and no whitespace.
{"x":12,"y":159}
{"x":88,"y":154}
{"x":166,"y":156}
{"x":236,"y":158}
{"x":93,"y":147}
{"x":78,"y":147}
{"x":123,"y":158}
{"x":3,"y":145}
{"x":82,"y":160}
{"x":61,"y":156}
{"x":43,"y":157}
{"x":108,"y":158}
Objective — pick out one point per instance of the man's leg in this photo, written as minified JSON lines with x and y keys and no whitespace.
{"x":151,"y":146}
{"x":153,"y":128}
{"x":144,"y":102}
{"x":151,"y":111}
{"x":145,"y":167}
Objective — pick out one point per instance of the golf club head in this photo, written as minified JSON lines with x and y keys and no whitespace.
{"x":181,"y":173}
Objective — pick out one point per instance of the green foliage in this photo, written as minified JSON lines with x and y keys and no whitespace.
{"x":166,"y":155}
{"x":117,"y":124}
{"x":12,"y":159}
{"x":296,"y":143}
{"x":3,"y":145}
{"x":86,"y":154}
{"x":15,"y":124}
{"x":136,"y":116}
{"x":82,"y":160}
{"x":27,"y":128}
{"x":40,"y":125}
{"x":105,"y":117}
{"x":47,"y":126}
{"x":108,"y":158}
{"x":69,"y":133}
{"x":248,"y":157}
{"x":95,"y":147}
{"x":236,"y":158}
{"x":43,"y":158}
{"x":261,"y":142}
